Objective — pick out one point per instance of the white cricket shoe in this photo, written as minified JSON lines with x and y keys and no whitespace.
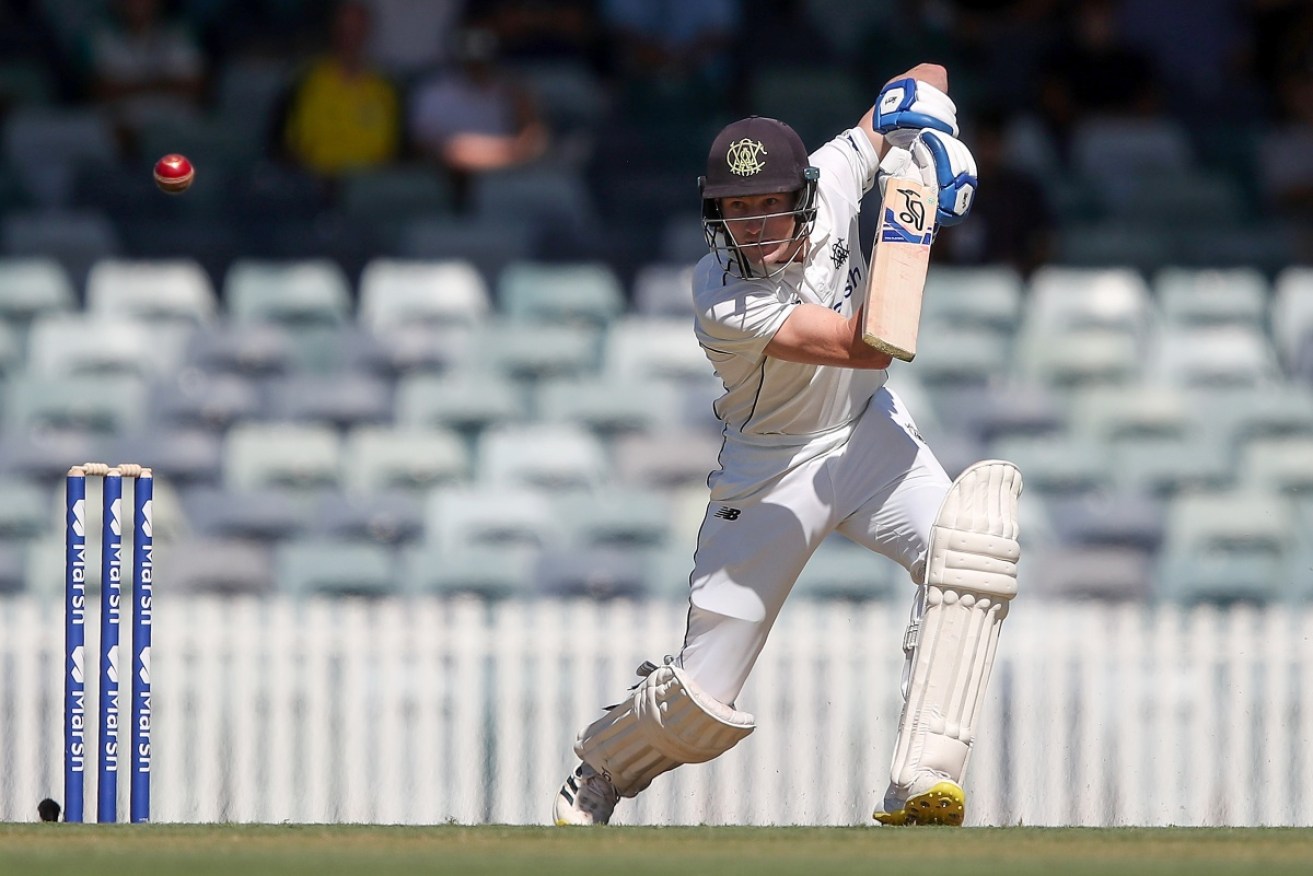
{"x":586,"y":798}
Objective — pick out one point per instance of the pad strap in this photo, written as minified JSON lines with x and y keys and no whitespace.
{"x":667,"y":721}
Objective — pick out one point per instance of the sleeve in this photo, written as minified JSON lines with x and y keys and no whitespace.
{"x":742,"y":320}
{"x":848,"y":165}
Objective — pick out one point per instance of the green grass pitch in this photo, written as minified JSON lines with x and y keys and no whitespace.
{"x":313,"y":850}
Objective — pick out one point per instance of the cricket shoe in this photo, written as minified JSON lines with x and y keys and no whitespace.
{"x":586,"y":798}
{"x":942,"y":803}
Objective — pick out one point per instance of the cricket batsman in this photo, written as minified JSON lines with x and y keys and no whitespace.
{"x":814,"y":443}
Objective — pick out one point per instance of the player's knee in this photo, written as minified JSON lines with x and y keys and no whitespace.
{"x":974,"y":543}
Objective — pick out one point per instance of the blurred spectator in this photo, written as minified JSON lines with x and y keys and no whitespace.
{"x":411,"y":36}
{"x":1094,"y":70}
{"x":1286,"y":150}
{"x":1198,"y":49}
{"x":1281,"y":33}
{"x":343,"y":114}
{"x":1012,"y":221}
{"x":144,"y":66}
{"x":475,"y":117}
{"x":674,"y":48}
{"x":541,"y":30}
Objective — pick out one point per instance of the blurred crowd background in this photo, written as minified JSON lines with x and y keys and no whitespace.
{"x":437,"y":250}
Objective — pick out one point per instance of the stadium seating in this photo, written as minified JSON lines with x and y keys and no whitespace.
{"x":379,"y":458}
{"x":151,"y":291}
{"x":424,"y":436}
{"x":552,"y":293}
{"x":34,"y":286}
{"x":396,"y":293}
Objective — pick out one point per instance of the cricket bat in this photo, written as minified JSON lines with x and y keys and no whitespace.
{"x":899,"y":261}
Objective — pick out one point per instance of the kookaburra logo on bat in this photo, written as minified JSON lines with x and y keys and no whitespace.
{"x":913,"y":212}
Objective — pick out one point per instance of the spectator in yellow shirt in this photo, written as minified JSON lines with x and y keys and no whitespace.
{"x":343,"y":114}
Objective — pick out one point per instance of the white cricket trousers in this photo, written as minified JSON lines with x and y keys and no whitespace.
{"x":882,"y":488}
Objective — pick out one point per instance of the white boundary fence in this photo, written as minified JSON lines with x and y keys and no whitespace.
{"x":425,"y":712}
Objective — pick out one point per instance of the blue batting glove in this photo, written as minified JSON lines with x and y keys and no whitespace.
{"x":906,"y":106}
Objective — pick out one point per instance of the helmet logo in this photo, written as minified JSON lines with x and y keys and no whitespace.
{"x":742,"y":157}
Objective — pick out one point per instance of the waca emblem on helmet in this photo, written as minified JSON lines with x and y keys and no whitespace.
{"x":743,"y":157}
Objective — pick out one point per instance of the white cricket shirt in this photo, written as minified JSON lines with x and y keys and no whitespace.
{"x":769,"y":402}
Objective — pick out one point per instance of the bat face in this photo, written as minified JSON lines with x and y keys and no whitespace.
{"x":898,"y":268}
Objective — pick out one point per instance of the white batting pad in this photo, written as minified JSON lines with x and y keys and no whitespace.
{"x":971,"y":577}
{"x":667,"y":721}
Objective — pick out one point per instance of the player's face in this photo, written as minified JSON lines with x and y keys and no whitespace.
{"x":762,"y":226}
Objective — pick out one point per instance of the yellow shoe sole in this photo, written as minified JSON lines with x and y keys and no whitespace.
{"x":945,"y":803}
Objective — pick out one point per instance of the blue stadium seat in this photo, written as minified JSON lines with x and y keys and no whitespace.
{"x":530,"y":351}
{"x":959,"y":356}
{"x":1291,"y":315}
{"x":484,"y":515}
{"x":466,"y":400}
{"x":559,"y":457}
{"x":590,"y":573}
{"x":586,"y":293}
{"x":1225,"y":546}
{"x":46,"y":453}
{"x":1241,"y":413}
{"x":1107,"y":518}
{"x":331,"y":567}
{"x":244,"y":349}
{"x":342,"y":399}
{"x":1081,"y":357}
{"x":222,"y":566}
{"x":987,"y":297}
{"x":395,"y":293}
{"x":1103,"y":573}
{"x":27,"y":509}
{"x":150,"y":291}
{"x":840,"y":569}
{"x":262,"y":455}
{"x":488,"y":572}
{"x":198,"y":397}
{"x":1282,"y":464}
{"x":666,"y":457}
{"x":295,"y":293}
{"x":664,"y":290}
{"x":95,"y":403}
{"x":1210,"y":296}
{"x":607,"y":405}
{"x":644,"y":347}
{"x":1167,"y":464}
{"x":185,"y":455}
{"x":1065,"y":463}
{"x":617,"y":517}
{"x":389,"y":517}
{"x":1145,"y":409}
{"x":1229,"y":355}
{"x":265,"y":515}
{"x":1063,"y":298}
{"x":32,"y":287}
{"x":384,"y":458}
{"x":997,"y":411}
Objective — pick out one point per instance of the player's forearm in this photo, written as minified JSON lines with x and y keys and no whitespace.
{"x":815,"y":335}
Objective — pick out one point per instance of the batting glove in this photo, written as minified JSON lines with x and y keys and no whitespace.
{"x":941,"y":162}
{"x":905,"y":106}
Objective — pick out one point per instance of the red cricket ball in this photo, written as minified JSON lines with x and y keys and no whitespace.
{"x":174,"y":173}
